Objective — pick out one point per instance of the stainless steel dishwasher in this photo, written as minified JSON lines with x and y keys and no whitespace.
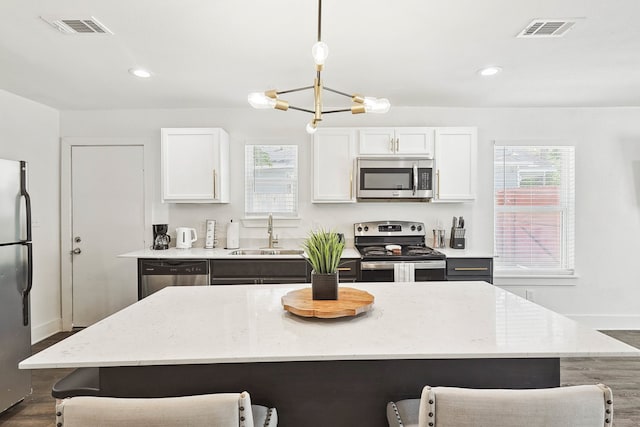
{"x":155,"y":274}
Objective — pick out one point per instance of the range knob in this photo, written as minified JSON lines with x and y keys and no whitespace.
{"x":413,"y":228}
{"x":359,"y":229}
{"x":419,"y":228}
{"x":366,"y":228}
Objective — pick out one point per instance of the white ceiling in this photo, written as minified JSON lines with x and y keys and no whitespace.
{"x":211,"y":53}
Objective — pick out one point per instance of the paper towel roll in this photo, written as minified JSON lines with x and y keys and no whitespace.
{"x":233,"y":235}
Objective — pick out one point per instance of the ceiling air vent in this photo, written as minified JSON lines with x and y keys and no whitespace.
{"x":547,"y":28}
{"x":77,"y":26}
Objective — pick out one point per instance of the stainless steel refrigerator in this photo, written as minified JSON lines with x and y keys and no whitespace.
{"x":16,"y":268}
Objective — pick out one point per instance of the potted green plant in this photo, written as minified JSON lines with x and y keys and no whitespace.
{"x":324,"y":249}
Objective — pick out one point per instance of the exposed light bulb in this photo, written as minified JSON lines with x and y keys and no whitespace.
{"x":490,"y":71}
{"x":140,"y":72}
{"x":311,"y":127}
{"x":376,"y":105}
{"x":320,"y":51}
{"x":260,"y":100}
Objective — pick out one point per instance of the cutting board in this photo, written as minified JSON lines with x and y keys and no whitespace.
{"x":350,"y":302}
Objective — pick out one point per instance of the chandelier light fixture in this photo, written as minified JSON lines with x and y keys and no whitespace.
{"x":319,"y":51}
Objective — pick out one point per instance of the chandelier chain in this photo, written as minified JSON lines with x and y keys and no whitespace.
{"x":319,"y":20}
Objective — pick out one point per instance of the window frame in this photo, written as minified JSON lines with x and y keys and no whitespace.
{"x":295,"y":181}
{"x":565,"y":206}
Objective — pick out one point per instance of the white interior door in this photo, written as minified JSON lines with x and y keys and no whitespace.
{"x":107,"y":193}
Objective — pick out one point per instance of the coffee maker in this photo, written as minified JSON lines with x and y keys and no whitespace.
{"x":160,"y":237}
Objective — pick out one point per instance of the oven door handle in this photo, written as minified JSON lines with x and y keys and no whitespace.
{"x":419,"y":265}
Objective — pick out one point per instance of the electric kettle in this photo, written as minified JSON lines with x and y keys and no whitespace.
{"x":185,"y":237}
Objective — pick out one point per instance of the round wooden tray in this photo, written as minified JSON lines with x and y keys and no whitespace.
{"x":350,"y":302}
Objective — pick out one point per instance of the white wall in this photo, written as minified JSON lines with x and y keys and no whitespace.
{"x":30,"y":131}
{"x":607,"y":141}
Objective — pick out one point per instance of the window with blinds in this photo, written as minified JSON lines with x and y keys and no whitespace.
{"x":534,"y":211}
{"x":271,"y":180}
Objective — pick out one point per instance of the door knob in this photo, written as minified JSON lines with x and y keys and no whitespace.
{"x":76,"y":251}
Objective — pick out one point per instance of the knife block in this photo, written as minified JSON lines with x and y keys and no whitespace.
{"x":457,"y":240}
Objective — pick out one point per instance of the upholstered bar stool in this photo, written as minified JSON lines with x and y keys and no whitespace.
{"x":220,"y":410}
{"x":574,"y":406}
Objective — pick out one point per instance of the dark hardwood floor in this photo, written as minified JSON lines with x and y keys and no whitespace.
{"x":37,"y":410}
{"x":621,"y":374}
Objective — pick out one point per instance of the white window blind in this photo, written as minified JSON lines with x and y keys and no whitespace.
{"x":271,"y":180}
{"x":534,"y":190}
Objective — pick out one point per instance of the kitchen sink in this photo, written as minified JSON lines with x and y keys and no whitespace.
{"x":267,"y":252}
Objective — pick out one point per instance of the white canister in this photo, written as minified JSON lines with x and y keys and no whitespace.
{"x":233,"y":235}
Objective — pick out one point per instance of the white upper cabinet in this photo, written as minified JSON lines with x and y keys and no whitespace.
{"x":334,"y":152}
{"x":195,"y":165}
{"x":455,"y":164}
{"x":397,"y":141}
{"x":415,"y":141}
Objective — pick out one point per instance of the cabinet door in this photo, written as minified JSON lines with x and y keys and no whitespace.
{"x":333,"y":166}
{"x":455,"y":164}
{"x":470,"y":269}
{"x":250,"y":270}
{"x":349,"y":269}
{"x":195,"y":165}
{"x":377,"y":141}
{"x":414,"y":141}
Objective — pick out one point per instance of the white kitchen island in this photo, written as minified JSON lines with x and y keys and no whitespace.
{"x":321,"y":372}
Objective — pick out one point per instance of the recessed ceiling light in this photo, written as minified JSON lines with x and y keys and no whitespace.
{"x":140,"y":72}
{"x":490,"y":71}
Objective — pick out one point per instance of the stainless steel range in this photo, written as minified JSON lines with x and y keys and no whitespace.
{"x":384,"y":244}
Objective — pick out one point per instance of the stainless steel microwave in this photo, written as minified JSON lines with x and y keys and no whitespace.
{"x":394,"y":178}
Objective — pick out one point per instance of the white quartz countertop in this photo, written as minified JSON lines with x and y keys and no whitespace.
{"x":216,"y":253}
{"x":245,"y":323}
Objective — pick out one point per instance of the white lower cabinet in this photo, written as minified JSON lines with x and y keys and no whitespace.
{"x":195,"y":165}
{"x":455,"y":164}
{"x":334,"y":152}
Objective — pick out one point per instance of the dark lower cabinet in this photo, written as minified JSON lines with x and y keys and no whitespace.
{"x":255,"y":271}
{"x":258,"y":271}
{"x":349,"y":270}
{"x":470,"y":269}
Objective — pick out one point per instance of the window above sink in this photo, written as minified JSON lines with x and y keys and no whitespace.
{"x":271,"y":180}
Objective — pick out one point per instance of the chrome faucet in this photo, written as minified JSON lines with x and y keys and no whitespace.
{"x":272,"y":241}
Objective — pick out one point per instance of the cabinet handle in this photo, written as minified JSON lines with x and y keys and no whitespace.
{"x":438,"y":188}
{"x":391,"y":144}
{"x":397,"y":145}
{"x":344,"y":268}
{"x":214,"y":184}
{"x":471,"y":269}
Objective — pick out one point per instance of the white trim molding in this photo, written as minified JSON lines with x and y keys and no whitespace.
{"x":45,"y":330}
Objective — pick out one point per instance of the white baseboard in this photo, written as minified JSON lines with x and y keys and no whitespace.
{"x":45,"y":330}
{"x":608,"y":322}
